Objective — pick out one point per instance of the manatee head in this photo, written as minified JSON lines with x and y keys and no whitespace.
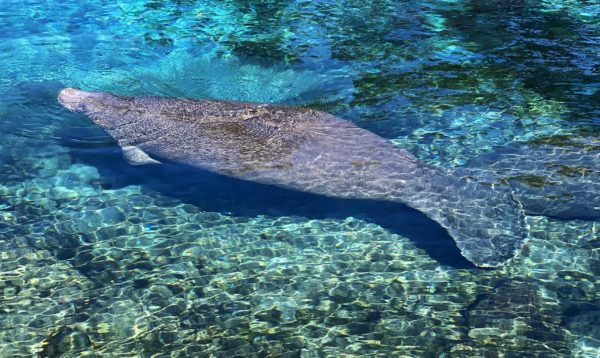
{"x":97,"y":105}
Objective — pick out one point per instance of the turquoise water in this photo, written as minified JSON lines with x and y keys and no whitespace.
{"x":99,"y":258}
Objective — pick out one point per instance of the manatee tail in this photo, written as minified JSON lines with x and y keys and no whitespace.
{"x":487,"y":223}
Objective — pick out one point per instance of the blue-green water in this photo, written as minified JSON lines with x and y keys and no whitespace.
{"x":98,"y":258}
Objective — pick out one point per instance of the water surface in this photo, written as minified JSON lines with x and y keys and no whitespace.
{"x":99,"y":258}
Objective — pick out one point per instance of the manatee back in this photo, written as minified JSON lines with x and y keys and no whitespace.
{"x":237,"y":137}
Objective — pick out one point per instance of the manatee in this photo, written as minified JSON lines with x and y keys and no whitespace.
{"x":307,"y":150}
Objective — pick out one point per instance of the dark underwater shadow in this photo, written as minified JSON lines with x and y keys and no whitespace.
{"x":217,"y":193}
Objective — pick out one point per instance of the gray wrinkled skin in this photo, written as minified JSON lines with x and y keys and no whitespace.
{"x":307,"y":150}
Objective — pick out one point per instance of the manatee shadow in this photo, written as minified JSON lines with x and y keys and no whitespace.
{"x":217,"y":193}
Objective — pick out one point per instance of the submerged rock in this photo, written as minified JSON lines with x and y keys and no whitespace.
{"x":517,"y":316}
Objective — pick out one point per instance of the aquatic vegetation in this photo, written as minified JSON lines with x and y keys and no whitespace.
{"x":100,"y":258}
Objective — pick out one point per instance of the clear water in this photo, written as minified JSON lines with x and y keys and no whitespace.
{"x":98,"y":258}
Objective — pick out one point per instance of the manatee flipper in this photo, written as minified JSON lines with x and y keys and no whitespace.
{"x":136,"y":156}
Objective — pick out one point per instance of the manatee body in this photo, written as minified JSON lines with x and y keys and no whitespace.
{"x":306,"y":150}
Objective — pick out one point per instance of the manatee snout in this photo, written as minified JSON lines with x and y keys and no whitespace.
{"x":72,"y":98}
